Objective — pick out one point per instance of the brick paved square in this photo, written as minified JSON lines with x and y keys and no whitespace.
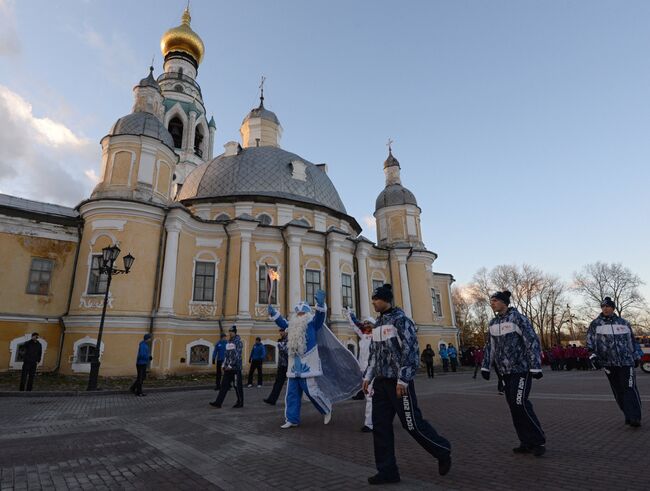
{"x":176,"y":441}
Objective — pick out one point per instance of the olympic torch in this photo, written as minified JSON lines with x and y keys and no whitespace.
{"x":272,"y":279}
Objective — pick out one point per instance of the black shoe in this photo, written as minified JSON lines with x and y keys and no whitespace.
{"x":379,"y":479}
{"x":359,"y":396}
{"x":539,"y":450}
{"x":366,"y":429}
{"x":269,"y":402}
{"x":635,"y":423}
{"x":141,"y":394}
{"x":521,"y":449}
{"x":214,"y":404}
{"x":238,"y":405}
{"x":444,"y":466}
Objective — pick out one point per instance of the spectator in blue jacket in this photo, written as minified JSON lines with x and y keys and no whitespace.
{"x":142,"y":360}
{"x":514,"y":350}
{"x":218,"y":355}
{"x":444,"y":356}
{"x":453,"y":357}
{"x":612,"y":345}
{"x":258,"y":353}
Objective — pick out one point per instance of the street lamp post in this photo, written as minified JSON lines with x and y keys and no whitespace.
{"x":107,"y":267}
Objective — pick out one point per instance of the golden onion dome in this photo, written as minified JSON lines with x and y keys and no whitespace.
{"x":183,"y":38}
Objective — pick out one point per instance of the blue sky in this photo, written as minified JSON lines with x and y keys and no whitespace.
{"x":521,"y":126}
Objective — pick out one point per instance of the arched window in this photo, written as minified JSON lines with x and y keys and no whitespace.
{"x":84,"y":353}
{"x":222,"y":217}
{"x":176,"y":130}
{"x":264,"y":219}
{"x":198,"y":140}
{"x":178,"y":88}
{"x":270,"y":353}
{"x":199,"y":354}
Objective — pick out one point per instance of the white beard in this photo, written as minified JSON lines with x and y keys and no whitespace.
{"x":296,"y":334}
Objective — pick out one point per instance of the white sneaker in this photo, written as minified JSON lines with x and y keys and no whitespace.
{"x":288,"y":424}
{"x":249,"y":386}
{"x":327,"y":418}
{"x":259,"y":386}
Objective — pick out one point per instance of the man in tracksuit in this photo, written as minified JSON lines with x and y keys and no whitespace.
{"x":612,"y":346}
{"x":283,"y":363}
{"x":232,"y":365}
{"x":514,"y":350}
{"x":142,"y":360}
{"x":218,"y":356}
{"x":393,"y":362}
{"x":32,"y":354}
{"x":256,"y":359}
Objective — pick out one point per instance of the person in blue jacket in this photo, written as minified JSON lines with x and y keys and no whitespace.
{"x":514,"y":350}
{"x":614,"y":348}
{"x":218,"y":355}
{"x":453,"y":357}
{"x":444,"y":356}
{"x":142,"y":360}
{"x":256,"y":359}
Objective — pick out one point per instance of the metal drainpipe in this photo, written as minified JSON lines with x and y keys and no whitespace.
{"x":80,"y":228}
{"x":225,"y":281}
{"x":157,"y":278}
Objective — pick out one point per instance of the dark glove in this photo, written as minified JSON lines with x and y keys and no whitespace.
{"x":150,"y":358}
{"x":537,"y":375}
{"x":636,"y":363}
{"x":485,"y":374}
{"x":595,"y":362}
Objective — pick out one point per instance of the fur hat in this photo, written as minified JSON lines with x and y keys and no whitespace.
{"x":302,"y":307}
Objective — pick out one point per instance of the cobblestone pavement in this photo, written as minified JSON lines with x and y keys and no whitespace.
{"x":176,"y":441}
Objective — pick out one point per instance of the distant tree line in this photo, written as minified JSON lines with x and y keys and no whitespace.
{"x":559,"y":310}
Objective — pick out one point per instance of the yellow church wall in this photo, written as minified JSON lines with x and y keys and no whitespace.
{"x":397,"y":291}
{"x":15,"y":264}
{"x":122,"y":165}
{"x":269,"y":210}
{"x":441,"y":284}
{"x":215,"y":211}
{"x":232,"y":292}
{"x":420,"y":290}
{"x":49,"y":331}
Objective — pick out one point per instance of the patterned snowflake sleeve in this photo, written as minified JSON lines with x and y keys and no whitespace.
{"x":531,"y":341}
{"x":591,"y":337}
{"x":409,"y":360}
{"x":370,"y":370}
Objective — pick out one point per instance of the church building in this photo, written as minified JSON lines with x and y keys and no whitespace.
{"x":203,"y":229}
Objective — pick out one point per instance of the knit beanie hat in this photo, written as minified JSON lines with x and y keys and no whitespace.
{"x":608,"y":302}
{"x":504,"y":296}
{"x":233,"y":329}
{"x":147,"y":337}
{"x":383,"y":292}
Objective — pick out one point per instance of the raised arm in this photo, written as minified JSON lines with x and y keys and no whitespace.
{"x":321,"y":310}
{"x":354,"y":323}
{"x":279,"y":320}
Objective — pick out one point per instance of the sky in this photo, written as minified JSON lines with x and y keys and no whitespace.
{"x":520,"y":126}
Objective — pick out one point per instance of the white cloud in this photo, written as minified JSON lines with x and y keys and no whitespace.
{"x":41,"y":158}
{"x":9,"y":41}
{"x":370,"y":222}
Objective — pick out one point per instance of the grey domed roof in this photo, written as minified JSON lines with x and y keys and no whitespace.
{"x":261,"y":171}
{"x":149,"y":81}
{"x":391,"y":161}
{"x":141,"y":123}
{"x":393,"y":195}
{"x":262,"y":112}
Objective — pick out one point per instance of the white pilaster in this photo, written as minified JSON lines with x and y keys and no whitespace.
{"x":245,"y":231}
{"x":404,"y":281}
{"x":211,"y":144}
{"x":364,"y":293}
{"x":334,"y":241}
{"x":294,"y":239}
{"x":169,"y":269}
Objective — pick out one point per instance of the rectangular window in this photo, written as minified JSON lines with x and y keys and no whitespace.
{"x":312,"y":277}
{"x":437,"y":302}
{"x":346,"y":290}
{"x":40,"y":274}
{"x":263,"y":284}
{"x":376,"y":284}
{"x":203,"y":282}
{"x":96,"y":281}
{"x":85,"y":353}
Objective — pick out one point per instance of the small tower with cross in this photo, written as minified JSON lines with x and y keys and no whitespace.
{"x":260,"y":127}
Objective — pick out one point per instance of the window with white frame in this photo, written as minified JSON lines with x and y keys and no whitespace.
{"x":96,"y":281}
{"x":222,"y":217}
{"x":346,"y":290}
{"x":203,"y":281}
{"x":376,"y":284}
{"x":437,"y":302}
{"x":263,"y":286}
{"x":85,"y":353}
{"x":199,"y":354}
{"x":40,"y":274}
{"x":264,"y":219}
{"x":312,"y":285}
{"x":270,"y":354}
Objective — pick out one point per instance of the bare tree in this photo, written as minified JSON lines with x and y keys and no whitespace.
{"x":599,"y":280}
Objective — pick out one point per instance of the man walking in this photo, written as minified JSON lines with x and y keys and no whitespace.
{"x":391,"y":369}
{"x":232,"y":365}
{"x":142,"y":360}
{"x":514,"y":350}
{"x":258,"y":353}
{"x":453,"y":357}
{"x":612,"y":345}
{"x":444,"y":356}
{"x":32,"y":353}
{"x":427,"y":358}
{"x":218,"y":356}
{"x":283,"y":363}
